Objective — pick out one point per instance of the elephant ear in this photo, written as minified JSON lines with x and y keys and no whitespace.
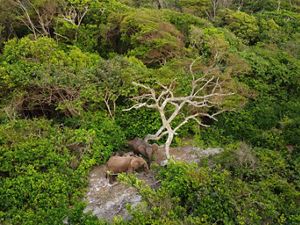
{"x":141,"y":148}
{"x":154,"y":147}
{"x":146,"y":167}
{"x":134,"y":164}
{"x":149,"y":153}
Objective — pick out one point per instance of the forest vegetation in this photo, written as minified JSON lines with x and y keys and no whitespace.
{"x":78,"y":78}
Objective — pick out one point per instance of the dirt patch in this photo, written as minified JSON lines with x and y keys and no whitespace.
{"x":187,"y":154}
{"x":109,"y":200}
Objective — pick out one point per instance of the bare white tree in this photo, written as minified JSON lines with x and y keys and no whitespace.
{"x":216,"y":4}
{"x":205,"y":93}
{"x":37,"y":19}
{"x":278,"y":5}
{"x":26,"y":20}
{"x":75,"y":15}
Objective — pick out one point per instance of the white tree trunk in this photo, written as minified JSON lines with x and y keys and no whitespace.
{"x":278,"y":5}
{"x":159,"y":100}
{"x":168,"y":144}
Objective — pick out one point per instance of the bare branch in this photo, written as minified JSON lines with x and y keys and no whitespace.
{"x":204,"y":94}
{"x":197,"y":104}
{"x":86,"y":9}
{"x":155,"y":137}
{"x":145,"y":87}
{"x":138,"y":106}
{"x":213,"y":95}
{"x":219,"y":112}
{"x":204,"y":85}
{"x":216,"y":85}
{"x":212,"y":116}
{"x":200,"y":123}
{"x":191,"y":67}
{"x":194,"y":117}
{"x":141,"y":97}
{"x":75,"y":16}
{"x":41,"y":22}
{"x":106,"y":101}
{"x":31,"y":26}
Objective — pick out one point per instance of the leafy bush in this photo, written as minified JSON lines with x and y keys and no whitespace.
{"x":40,"y":83}
{"x":203,"y":195}
{"x":243,"y":25}
{"x":138,"y":123}
{"x":269,"y":5}
{"x":70,"y":102}
{"x":44,"y":167}
{"x":183,"y":21}
{"x":273,"y":77}
{"x":196,"y":7}
{"x":272,"y":65}
{"x":146,"y":35}
{"x":63,"y":82}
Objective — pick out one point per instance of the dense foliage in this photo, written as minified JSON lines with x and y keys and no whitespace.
{"x":66,"y":73}
{"x":238,"y":187}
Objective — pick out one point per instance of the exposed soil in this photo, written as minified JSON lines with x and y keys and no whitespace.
{"x":109,"y":200}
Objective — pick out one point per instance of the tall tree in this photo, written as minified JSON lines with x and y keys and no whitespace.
{"x":37,"y":15}
{"x":204,"y":100}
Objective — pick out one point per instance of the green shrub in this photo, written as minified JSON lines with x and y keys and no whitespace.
{"x":45,"y":84}
{"x":243,"y":25}
{"x":138,"y":123}
{"x":268,"y":5}
{"x":58,"y":74}
{"x":196,"y":7}
{"x":44,"y":167}
{"x":183,"y":21}
{"x":203,"y":195}
{"x":146,"y":35}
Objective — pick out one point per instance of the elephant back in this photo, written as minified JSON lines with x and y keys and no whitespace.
{"x":118,"y":164}
{"x":135,"y":143}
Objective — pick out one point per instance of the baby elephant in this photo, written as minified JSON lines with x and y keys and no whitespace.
{"x":119,"y":164}
{"x":139,"y":146}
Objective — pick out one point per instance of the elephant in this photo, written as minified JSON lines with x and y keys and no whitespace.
{"x":121,"y":153}
{"x":140,"y":146}
{"x":119,"y":164}
{"x":129,"y":154}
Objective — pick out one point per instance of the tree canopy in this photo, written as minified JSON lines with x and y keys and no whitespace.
{"x":70,"y":69}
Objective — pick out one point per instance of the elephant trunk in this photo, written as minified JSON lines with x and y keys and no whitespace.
{"x":146,"y":167}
